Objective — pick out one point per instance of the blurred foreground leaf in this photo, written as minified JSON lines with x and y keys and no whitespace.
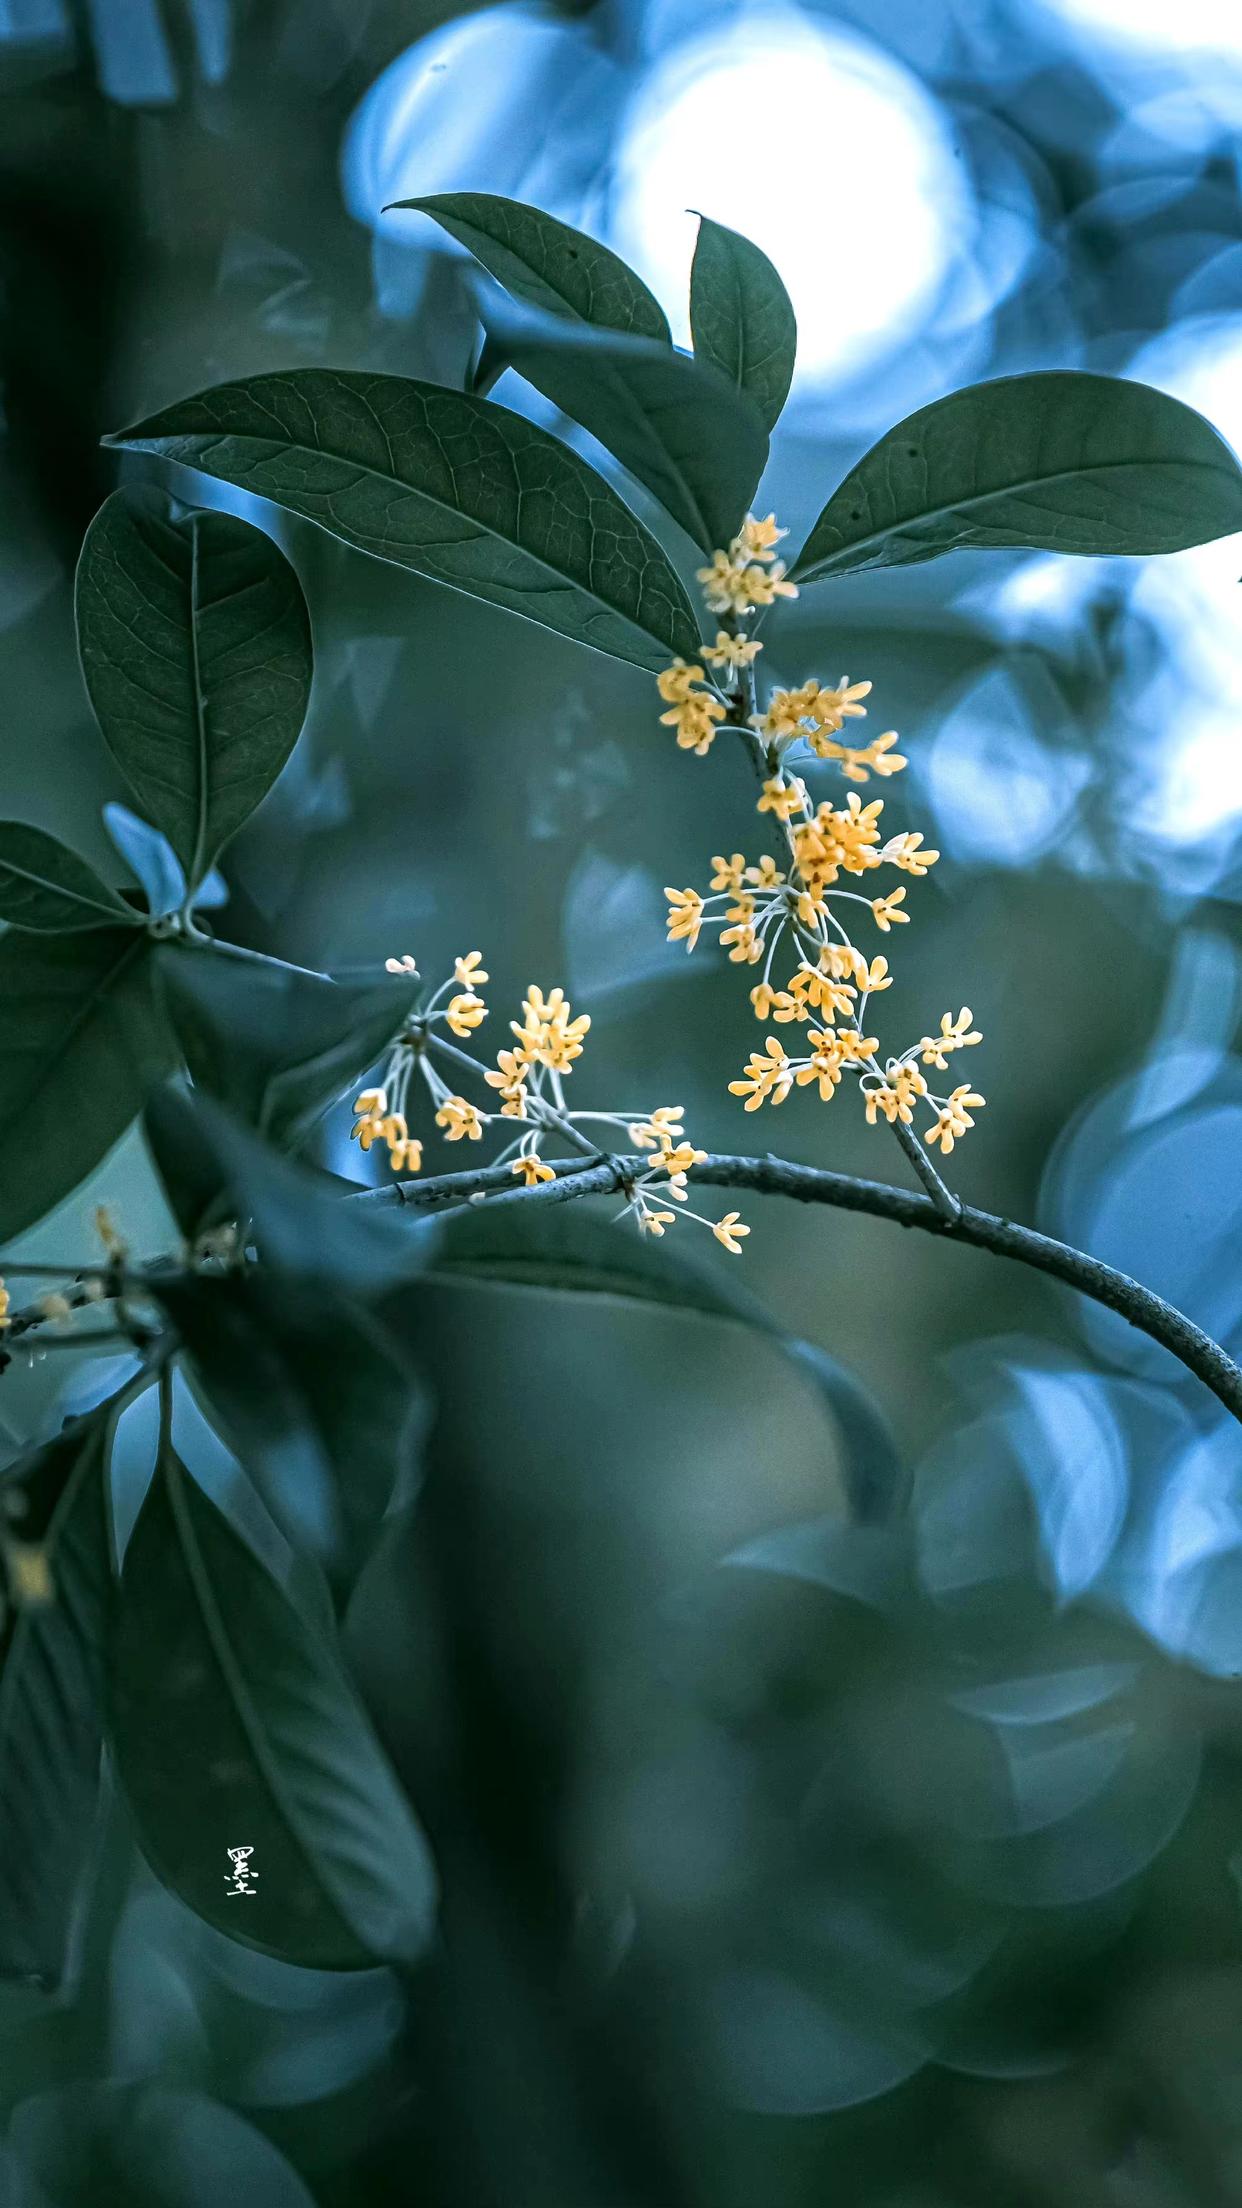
{"x":247,"y":1732}
{"x":1058,"y":461}
{"x":562,"y":1250}
{"x":81,"y":1042}
{"x":316,"y":1398}
{"x":446,"y":484}
{"x":147,"y":2146}
{"x":196,"y":649}
{"x":51,"y":1674}
{"x":275,"y":1045}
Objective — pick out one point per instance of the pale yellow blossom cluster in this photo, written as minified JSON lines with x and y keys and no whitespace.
{"x":527,"y":1083}
{"x":801,"y":903}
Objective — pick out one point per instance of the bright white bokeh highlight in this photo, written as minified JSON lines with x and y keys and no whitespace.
{"x":1208,"y":25}
{"x":843,"y":172}
{"x":1191,"y":693}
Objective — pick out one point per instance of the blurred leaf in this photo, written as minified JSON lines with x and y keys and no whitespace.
{"x":545,"y":262}
{"x":556,"y":1249}
{"x":1060,"y":461}
{"x":694,"y":441}
{"x":317,"y":1400}
{"x":185,"y":1161}
{"x":196,"y":649}
{"x":150,"y":857}
{"x":51,"y":1667}
{"x":741,"y":317}
{"x":81,"y":1042}
{"x":276,"y":1045}
{"x":448,"y":485}
{"x":304,"y":1224}
{"x":246,"y":1732}
{"x":46,"y":887}
{"x":148,"y":2146}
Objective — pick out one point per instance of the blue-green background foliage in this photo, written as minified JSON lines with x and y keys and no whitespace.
{"x":783,"y":1860}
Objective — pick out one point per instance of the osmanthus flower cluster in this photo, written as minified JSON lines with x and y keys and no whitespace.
{"x":794,"y":915}
{"x":526,"y":1085}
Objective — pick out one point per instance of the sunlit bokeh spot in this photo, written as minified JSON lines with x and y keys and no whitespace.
{"x":865,"y":201}
{"x":1214,"y":25}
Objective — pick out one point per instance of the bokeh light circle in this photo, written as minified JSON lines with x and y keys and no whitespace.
{"x":843,"y":172}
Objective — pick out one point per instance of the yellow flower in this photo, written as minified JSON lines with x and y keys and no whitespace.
{"x":403,"y":965}
{"x":755,"y":540}
{"x":109,"y":1234}
{"x":766,"y":1079}
{"x":903,"y":851}
{"x":766,"y":874}
{"x":531,"y":1169}
{"x":685,"y":916}
{"x":654,"y":1222}
{"x":747,"y":947}
{"x":833,"y":707}
{"x":786,"y":712}
{"x":6,"y":1307}
{"x":953,"y":1118}
{"x":782,"y":796}
{"x":955,"y":1034}
{"x":679,"y":1157}
{"x":465,"y":1012}
{"x":729,"y":873}
{"x":406,"y":1156}
{"x":732,"y":651}
{"x":885,"y":913}
{"x":459,"y":1119}
{"x":370,"y":1110}
{"x":725,"y":587}
{"x":660,"y":1128}
{"x":30,"y":1578}
{"x":763,"y":997}
{"x":693,"y":712}
{"x":763,"y":588}
{"x":874,"y":977}
{"x":676,"y":684}
{"x":512,"y":1067}
{"x":469,"y":970}
{"x":549,"y":1035}
{"x":858,"y":765}
{"x":828,"y":1055}
{"x":895,"y":1096}
{"x":729,"y":1231}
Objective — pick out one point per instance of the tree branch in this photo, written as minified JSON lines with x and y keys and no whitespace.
{"x":807,"y":1184}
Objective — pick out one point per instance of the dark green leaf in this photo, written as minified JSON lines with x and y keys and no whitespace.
{"x":186,"y":1162}
{"x":196,"y":650}
{"x":1059,"y":461}
{"x":693,"y":440}
{"x":741,"y":318}
{"x":304,"y":1224}
{"x":276,"y":1045}
{"x":81,"y":1042}
{"x":446,"y":484}
{"x":51,"y":1671}
{"x":147,"y":2146}
{"x":317,"y":1400}
{"x":48,"y":888}
{"x":556,"y":1248}
{"x":246,"y":1732}
{"x":547,"y":263}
